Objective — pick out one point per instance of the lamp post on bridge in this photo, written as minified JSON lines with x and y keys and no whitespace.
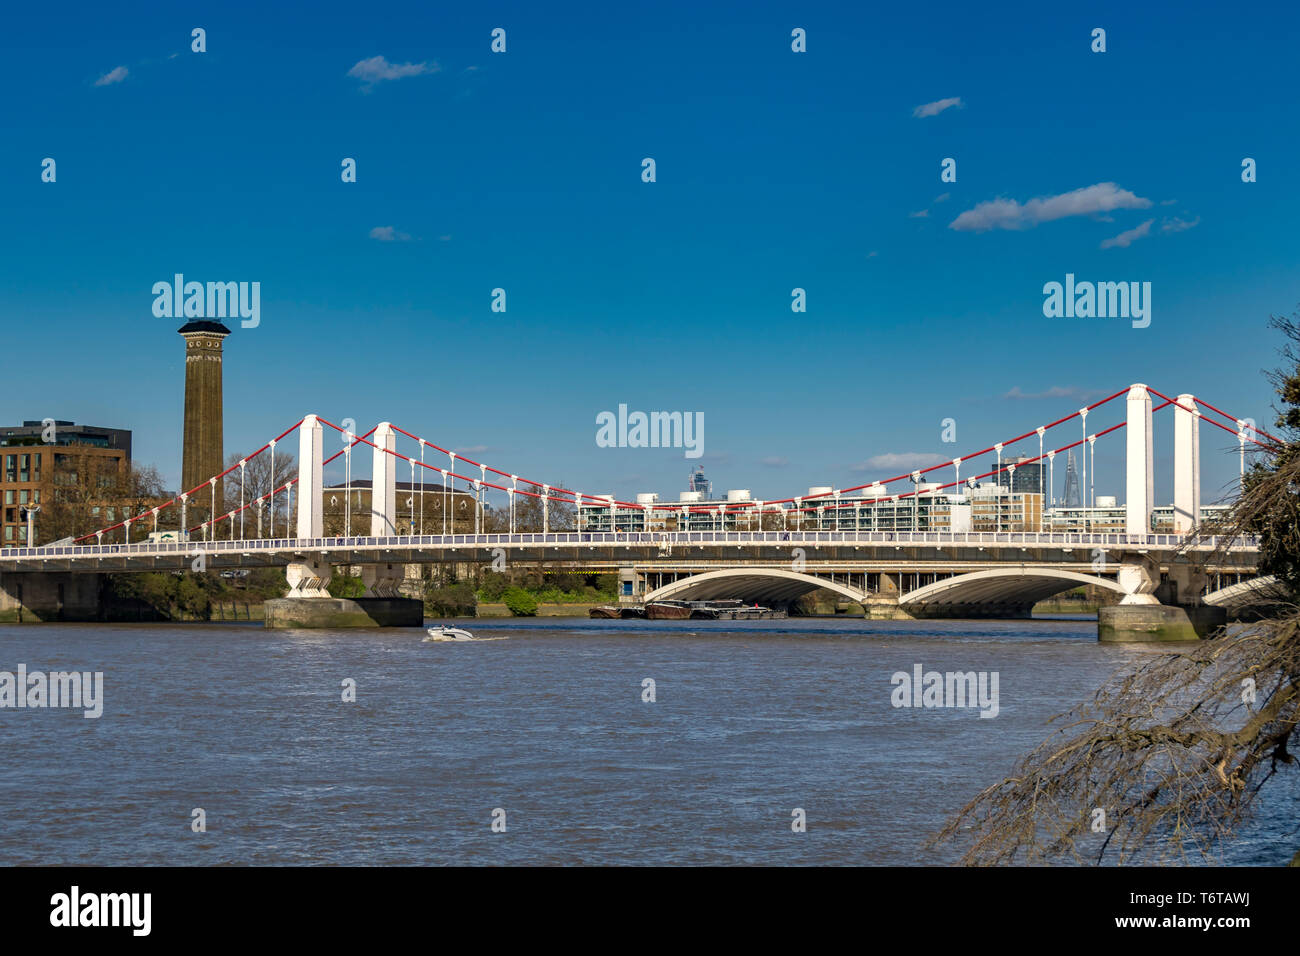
{"x":915,"y":478}
{"x":1051,"y":475}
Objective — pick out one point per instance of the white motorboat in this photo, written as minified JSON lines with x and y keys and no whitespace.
{"x":449,"y":634}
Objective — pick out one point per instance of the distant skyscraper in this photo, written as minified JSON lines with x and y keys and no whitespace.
{"x":1029,"y":476}
{"x":202,"y":454}
{"x":1073,"y":495}
{"x":699,"y":483}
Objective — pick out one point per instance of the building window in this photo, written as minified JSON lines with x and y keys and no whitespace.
{"x":9,"y":496}
{"x":9,"y":532}
{"x":23,"y":496}
{"x":11,"y":470}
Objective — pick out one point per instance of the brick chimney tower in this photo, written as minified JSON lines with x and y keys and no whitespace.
{"x":203,"y":455}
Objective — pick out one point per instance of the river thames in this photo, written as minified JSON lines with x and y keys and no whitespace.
{"x":544,"y":719}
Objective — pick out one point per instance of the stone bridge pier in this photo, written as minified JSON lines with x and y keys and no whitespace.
{"x":1141,"y":616}
{"x":1150,"y":610}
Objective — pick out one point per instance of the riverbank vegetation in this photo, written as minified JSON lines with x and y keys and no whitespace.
{"x":1167,"y":761}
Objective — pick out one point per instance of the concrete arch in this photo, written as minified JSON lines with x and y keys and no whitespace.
{"x":1261,"y":590}
{"x":1020,"y":586}
{"x":769,"y":585}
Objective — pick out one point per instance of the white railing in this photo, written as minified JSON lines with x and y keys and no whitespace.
{"x":648,"y":539}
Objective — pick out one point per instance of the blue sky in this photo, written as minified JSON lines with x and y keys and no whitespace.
{"x":522,"y":170}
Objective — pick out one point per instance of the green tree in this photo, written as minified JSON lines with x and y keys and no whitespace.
{"x":520,"y":602}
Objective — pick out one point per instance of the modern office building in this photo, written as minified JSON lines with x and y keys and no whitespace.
{"x":1021,"y":474}
{"x":985,"y":507}
{"x":982,"y":508}
{"x":40,"y":457}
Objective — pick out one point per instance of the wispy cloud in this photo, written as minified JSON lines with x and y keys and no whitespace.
{"x":115,"y":75}
{"x":1009,"y":214}
{"x":942,"y":197}
{"x":472,"y":449}
{"x":774,"y":461}
{"x":388,"y":234}
{"x":923,"y":214}
{"x":1128,"y":236}
{"x":1056,"y":391}
{"x":1179,"y":225}
{"x":894,"y":461}
{"x":937,"y":107}
{"x":377,"y":69}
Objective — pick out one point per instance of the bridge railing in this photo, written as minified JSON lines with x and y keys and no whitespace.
{"x":660,"y":539}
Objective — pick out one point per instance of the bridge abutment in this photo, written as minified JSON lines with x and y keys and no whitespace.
{"x":28,"y":597}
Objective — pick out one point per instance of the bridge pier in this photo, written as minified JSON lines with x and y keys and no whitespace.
{"x":1140,"y":617}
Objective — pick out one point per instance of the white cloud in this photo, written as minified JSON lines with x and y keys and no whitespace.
{"x":377,"y":69}
{"x":896,"y":461}
{"x":942,"y":197}
{"x":1128,"y":236}
{"x":1009,"y":214}
{"x":1057,"y":391}
{"x":937,"y":107}
{"x":115,"y":75}
{"x":774,"y":461}
{"x":1179,"y":225}
{"x":388,"y":234}
{"x":923,"y":214}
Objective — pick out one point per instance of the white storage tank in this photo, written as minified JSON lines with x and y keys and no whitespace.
{"x":1105,"y":501}
{"x":647,"y":498}
{"x":692,"y":496}
{"x":738,"y":494}
{"x":820,"y":490}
